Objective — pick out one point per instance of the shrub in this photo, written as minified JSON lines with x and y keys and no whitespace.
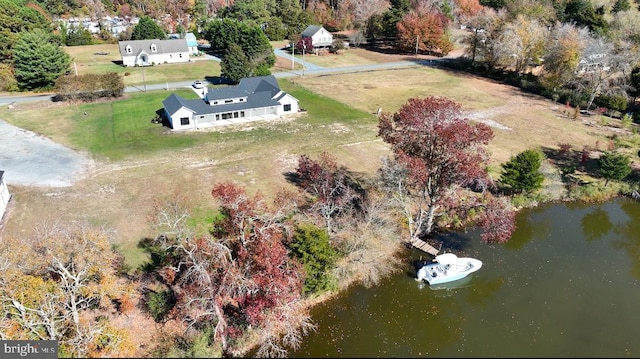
{"x":522,"y":172}
{"x":612,"y":102}
{"x":160,"y":304}
{"x":311,"y":246}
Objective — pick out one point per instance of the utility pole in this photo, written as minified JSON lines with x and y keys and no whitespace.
{"x":417,"y":36}
{"x":293,"y":55}
{"x":304,"y":47}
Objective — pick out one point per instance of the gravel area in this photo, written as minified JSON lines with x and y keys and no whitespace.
{"x":30,"y":159}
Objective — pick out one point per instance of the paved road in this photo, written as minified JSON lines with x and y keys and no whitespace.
{"x":309,"y":69}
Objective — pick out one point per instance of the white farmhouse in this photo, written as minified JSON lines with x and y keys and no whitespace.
{"x":153,"y":52}
{"x":320,"y":37}
{"x":254,"y":98}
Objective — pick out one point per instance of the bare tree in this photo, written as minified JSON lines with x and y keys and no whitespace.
{"x":61,"y":275}
{"x":604,"y":66}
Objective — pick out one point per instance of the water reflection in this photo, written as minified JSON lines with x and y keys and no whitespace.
{"x":568,"y":287}
{"x":596,"y":224}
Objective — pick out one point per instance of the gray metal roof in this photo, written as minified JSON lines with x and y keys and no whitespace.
{"x":311,"y":30}
{"x":259,"y":91}
{"x":162,"y":46}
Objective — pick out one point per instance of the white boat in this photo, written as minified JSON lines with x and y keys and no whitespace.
{"x":448,"y":267}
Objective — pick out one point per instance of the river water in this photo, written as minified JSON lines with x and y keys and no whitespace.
{"x":566,"y":285}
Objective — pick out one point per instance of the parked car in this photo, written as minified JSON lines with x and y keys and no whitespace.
{"x":198,"y":84}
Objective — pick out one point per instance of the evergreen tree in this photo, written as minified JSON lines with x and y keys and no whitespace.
{"x":147,"y":29}
{"x":235,"y":64}
{"x":16,"y":18}
{"x":521,"y":173}
{"x":311,"y":246}
{"x":252,"y":41}
{"x":614,"y":166}
{"x":38,"y":61}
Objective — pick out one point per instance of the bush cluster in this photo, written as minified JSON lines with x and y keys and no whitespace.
{"x":88,"y":87}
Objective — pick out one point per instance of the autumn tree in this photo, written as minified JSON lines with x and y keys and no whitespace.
{"x":437,"y":154}
{"x":425,"y":32}
{"x":238,"y":277}
{"x":562,"y":55}
{"x":522,"y":172}
{"x":332,"y":190}
{"x":521,"y":42}
{"x":464,"y":9}
{"x":54,"y":285}
{"x":614,"y":166}
{"x":482,"y":43}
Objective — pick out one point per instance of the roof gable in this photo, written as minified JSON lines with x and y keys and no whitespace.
{"x":311,"y":30}
{"x":246,"y":86}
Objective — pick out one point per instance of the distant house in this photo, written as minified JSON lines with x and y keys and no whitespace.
{"x":4,"y":195}
{"x":252,"y":99}
{"x":192,"y":43}
{"x":320,"y":37}
{"x":153,"y":52}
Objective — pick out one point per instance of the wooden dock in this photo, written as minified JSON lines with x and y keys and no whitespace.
{"x":425,"y":247}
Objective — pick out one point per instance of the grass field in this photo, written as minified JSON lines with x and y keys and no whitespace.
{"x":86,"y":59}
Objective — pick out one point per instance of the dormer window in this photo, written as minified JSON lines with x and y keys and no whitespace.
{"x":128,"y":49}
{"x":153,"y":48}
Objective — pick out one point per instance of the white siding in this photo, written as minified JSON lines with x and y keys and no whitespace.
{"x":155,"y":59}
{"x":176,"y":120}
{"x":4,"y":197}
{"x":288,"y":100}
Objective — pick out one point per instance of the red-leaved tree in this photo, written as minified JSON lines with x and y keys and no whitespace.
{"x":437,"y":156}
{"x":332,"y":191}
{"x":239,"y":277}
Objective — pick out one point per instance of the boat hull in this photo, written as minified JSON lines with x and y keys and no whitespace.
{"x":451,"y":270}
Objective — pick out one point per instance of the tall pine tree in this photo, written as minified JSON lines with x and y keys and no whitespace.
{"x":39,"y":60}
{"x":147,"y":29}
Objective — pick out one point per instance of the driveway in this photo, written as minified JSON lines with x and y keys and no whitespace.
{"x":30,"y":159}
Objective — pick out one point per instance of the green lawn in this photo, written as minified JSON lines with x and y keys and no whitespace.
{"x":123,"y":127}
{"x":86,"y":60}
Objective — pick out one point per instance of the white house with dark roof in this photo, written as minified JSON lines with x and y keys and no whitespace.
{"x":320,"y":37}
{"x":5,"y":196}
{"x":254,"y":98}
{"x":153,"y":52}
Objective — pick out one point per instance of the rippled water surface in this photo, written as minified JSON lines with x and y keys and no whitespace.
{"x":566,"y":285}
